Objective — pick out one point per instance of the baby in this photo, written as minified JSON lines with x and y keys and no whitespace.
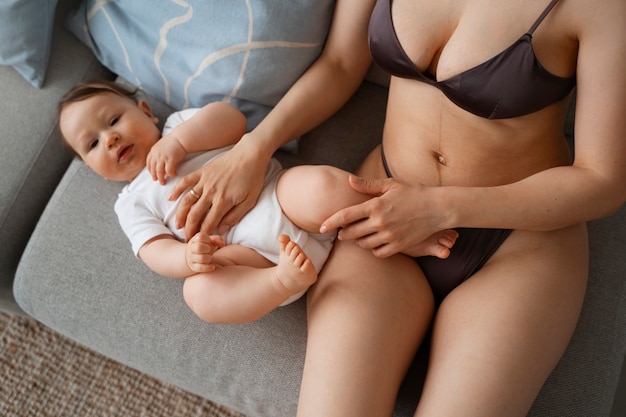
{"x":267,"y":260}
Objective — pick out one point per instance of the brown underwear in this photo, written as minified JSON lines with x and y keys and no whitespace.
{"x":472,"y":250}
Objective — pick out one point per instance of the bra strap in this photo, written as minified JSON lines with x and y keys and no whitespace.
{"x":543,"y":16}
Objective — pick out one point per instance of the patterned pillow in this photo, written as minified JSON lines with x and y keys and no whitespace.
{"x":26,"y":34}
{"x":187,"y":53}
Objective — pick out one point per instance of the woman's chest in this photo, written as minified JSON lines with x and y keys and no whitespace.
{"x":445,"y":38}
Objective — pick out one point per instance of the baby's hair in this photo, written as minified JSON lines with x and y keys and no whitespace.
{"x":87,"y":89}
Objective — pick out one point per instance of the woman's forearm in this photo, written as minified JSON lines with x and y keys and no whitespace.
{"x":304,"y":107}
{"x":325,"y":86}
{"x":549,"y":200}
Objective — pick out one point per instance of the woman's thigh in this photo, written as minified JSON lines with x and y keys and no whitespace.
{"x":498,"y":336}
{"x":366,"y":318}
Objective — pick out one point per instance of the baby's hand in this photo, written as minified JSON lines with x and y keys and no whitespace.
{"x":200,"y":250}
{"x":163,"y":158}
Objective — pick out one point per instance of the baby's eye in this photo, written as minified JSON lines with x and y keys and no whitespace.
{"x":115,"y":120}
{"x":92,"y":144}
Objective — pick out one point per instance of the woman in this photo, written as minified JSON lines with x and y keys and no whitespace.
{"x":473,"y":140}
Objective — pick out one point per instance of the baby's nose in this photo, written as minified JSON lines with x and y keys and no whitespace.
{"x":111,"y":139}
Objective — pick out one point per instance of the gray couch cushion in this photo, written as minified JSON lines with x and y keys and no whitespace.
{"x":33,"y":159}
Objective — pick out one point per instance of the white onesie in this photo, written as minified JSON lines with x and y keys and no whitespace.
{"x":144,"y":211}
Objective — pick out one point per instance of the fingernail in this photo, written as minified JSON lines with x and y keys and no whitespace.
{"x":323,"y":229}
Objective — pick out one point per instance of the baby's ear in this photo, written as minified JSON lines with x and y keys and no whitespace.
{"x":145,"y":107}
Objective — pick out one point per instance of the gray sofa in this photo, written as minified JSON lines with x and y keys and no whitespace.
{"x":65,"y":262}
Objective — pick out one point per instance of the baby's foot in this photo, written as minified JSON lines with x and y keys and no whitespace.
{"x":294,"y":271}
{"x":438,"y":244}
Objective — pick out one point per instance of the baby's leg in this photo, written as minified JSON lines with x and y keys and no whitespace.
{"x":309,"y":194}
{"x":249,"y":288}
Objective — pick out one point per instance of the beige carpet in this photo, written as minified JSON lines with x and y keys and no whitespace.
{"x":43,"y":374}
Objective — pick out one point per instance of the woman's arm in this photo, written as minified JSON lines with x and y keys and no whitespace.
{"x":400,"y":216}
{"x":319,"y":93}
{"x":325,"y":86}
{"x":595,"y":185}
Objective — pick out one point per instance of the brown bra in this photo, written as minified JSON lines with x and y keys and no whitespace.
{"x":511,"y":84}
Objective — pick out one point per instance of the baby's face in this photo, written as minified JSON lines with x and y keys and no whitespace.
{"x":111,"y":133}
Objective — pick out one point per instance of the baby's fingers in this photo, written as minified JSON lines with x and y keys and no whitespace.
{"x":160,"y":172}
{"x":170,"y":169}
{"x":156,"y":167}
{"x":151,"y":166}
{"x":199,"y":266}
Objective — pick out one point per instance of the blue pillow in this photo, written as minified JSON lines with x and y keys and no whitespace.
{"x":25,"y":37}
{"x":189,"y":53}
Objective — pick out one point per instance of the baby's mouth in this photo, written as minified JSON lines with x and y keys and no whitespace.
{"x":124,"y":153}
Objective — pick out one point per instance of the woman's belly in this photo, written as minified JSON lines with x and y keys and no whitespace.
{"x":433,"y":142}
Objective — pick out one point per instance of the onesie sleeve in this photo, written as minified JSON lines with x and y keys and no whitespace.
{"x":138,"y":221}
{"x":177,"y":118}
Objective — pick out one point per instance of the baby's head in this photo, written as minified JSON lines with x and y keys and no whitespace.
{"x":108,"y":128}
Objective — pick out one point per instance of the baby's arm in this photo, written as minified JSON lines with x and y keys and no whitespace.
{"x":174,"y":259}
{"x":214,"y":126}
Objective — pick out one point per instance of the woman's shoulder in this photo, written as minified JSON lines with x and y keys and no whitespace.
{"x":597,"y":17}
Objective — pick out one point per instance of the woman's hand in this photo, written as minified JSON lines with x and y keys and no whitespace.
{"x":396,"y":219}
{"x":228,"y":187}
